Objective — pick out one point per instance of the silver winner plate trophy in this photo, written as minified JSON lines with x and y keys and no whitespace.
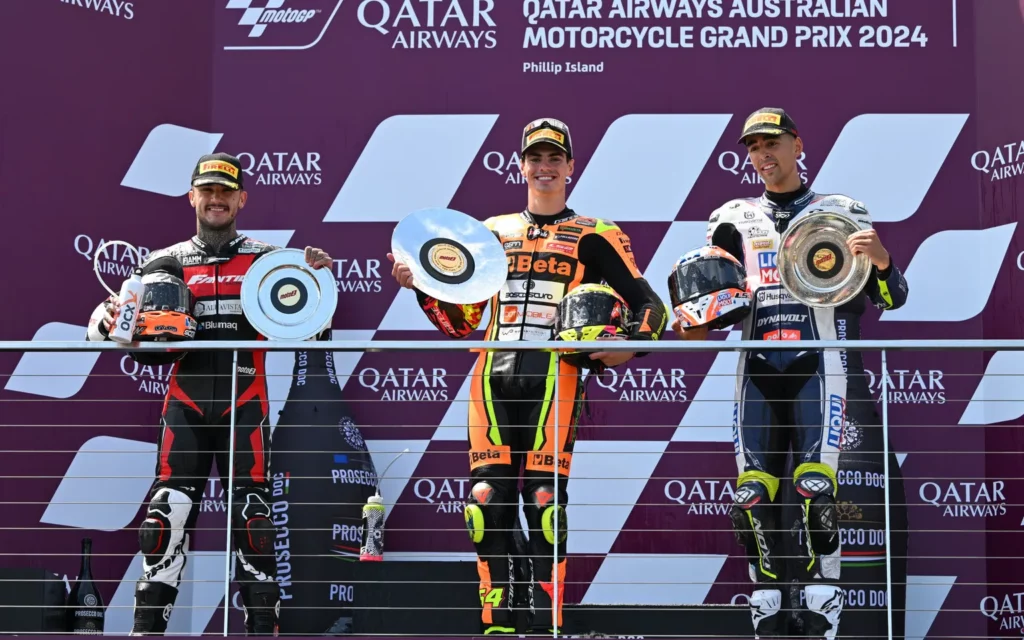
{"x":815,"y":265}
{"x":286,"y":299}
{"x":453,"y":257}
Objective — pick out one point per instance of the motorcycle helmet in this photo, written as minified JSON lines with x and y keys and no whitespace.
{"x":591,"y":312}
{"x":708,"y":287}
{"x":167,"y":310}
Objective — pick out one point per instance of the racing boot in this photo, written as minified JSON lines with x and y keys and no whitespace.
{"x":824,"y":606}
{"x":262,"y":605}
{"x":154,"y":602}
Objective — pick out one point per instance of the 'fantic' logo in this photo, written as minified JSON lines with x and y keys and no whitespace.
{"x":203,"y":279}
{"x":702,"y":497}
{"x":406,"y":384}
{"x":730,"y":161}
{"x":357,"y":276}
{"x":966,"y":499}
{"x":283,"y":168}
{"x":434,"y":24}
{"x":645,"y":385}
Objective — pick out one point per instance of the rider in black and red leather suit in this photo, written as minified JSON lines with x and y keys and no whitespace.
{"x":197,"y":414}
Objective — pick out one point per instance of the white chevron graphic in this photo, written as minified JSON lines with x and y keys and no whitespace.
{"x":200,"y":593}
{"x":999,"y":396}
{"x":53,"y":374}
{"x":164,"y":163}
{"x":104,"y":486}
{"x":709,"y":416}
{"x":668,"y":579}
{"x":925,"y":596}
{"x":608,"y":477}
{"x":963,"y":262}
{"x":888,"y":161}
{"x":391,"y":179}
{"x":675,"y":149}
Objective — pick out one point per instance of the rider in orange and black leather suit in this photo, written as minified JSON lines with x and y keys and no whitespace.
{"x":513,"y":395}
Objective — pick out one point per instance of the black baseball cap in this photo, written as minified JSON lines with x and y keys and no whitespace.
{"x":218,"y":168}
{"x":547,"y":130}
{"x":769,"y":122}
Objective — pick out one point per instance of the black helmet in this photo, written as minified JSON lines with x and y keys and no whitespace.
{"x":591,"y":312}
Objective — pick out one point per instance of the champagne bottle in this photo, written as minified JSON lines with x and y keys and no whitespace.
{"x":85,"y":604}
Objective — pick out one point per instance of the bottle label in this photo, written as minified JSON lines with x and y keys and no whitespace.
{"x":127,"y":311}
{"x":372,"y":548}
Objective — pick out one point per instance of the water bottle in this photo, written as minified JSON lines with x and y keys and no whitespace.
{"x":126,"y":313}
{"x":372,"y":548}
{"x":85,"y":604}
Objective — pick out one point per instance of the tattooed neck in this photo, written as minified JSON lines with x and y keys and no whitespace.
{"x":217,"y":238}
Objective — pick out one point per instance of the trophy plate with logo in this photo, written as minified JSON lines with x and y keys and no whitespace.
{"x":815,"y":265}
{"x":453,"y":257}
{"x":285,"y":299}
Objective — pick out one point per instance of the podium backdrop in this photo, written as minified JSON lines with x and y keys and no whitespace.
{"x":348,"y":114}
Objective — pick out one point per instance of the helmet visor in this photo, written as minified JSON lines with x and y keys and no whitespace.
{"x":591,"y":309}
{"x":165,"y":292}
{"x":701,"y":277}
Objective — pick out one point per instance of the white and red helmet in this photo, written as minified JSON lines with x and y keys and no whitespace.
{"x":708,"y":287}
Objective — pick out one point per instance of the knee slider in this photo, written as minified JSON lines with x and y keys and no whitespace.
{"x":252,"y":514}
{"x":547,"y":524}
{"x":821,"y":519}
{"x":482,"y":495}
{"x":748,"y":495}
{"x":261,"y":535}
{"x":165,"y":522}
{"x":539,"y":499}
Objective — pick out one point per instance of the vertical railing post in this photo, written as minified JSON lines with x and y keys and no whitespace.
{"x":231,"y":488}
{"x":555,"y":446}
{"x":885,"y":463}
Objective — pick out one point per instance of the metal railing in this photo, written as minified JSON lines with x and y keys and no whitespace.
{"x":678,"y":347}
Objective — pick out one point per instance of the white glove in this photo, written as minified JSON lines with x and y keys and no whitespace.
{"x":100,"y":320}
